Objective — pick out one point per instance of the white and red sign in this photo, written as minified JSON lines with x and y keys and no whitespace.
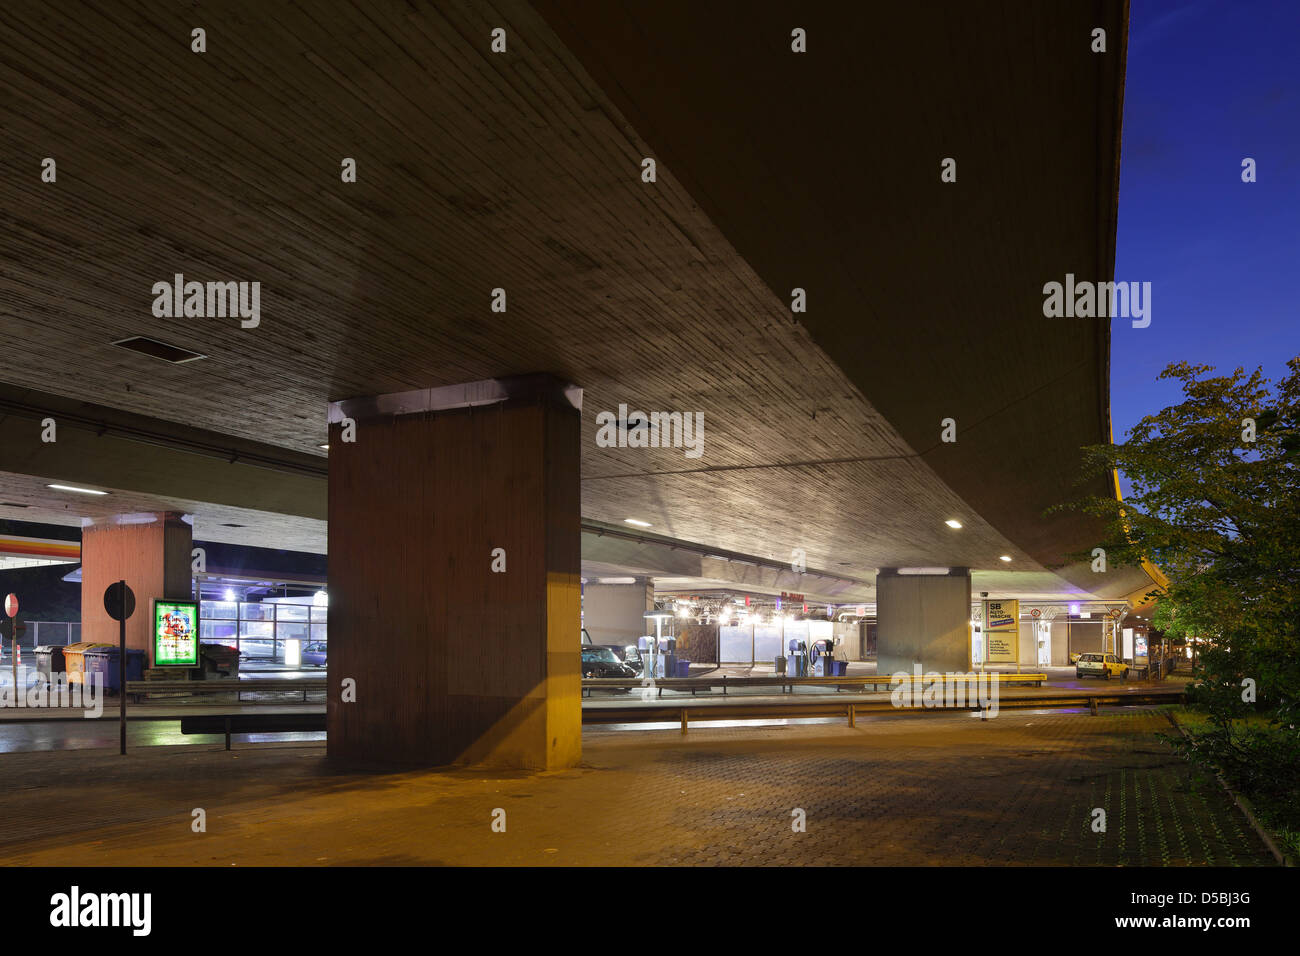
{"x":11,"y":605}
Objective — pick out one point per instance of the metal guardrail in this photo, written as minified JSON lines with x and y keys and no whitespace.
{"x":696,"y":684}
{"x":796,"y":708}
{"x":306,"y":685}
{"x":793,"y":708}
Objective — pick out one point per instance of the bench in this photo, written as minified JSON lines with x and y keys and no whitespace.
{"x":252,"y":724}
{"x":138,"y":689}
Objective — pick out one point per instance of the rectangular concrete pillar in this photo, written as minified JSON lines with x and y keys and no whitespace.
{"x":151,"y":552}
{"x":923,"y":619}
{"x":454,"y":531}
{"x":615,"y":613}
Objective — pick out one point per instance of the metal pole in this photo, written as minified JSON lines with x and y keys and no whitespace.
{"x":121,"y":662}
{"x":1017,"y":642}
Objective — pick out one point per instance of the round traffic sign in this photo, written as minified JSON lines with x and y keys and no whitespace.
{"x":113,"y":601}
{"x":11,"y":605}
{"x":1035,"y":613}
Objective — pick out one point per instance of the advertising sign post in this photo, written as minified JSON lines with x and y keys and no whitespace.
{"x":11,"y":609}
{"x":1002,"y":632}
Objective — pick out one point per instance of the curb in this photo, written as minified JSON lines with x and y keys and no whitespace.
{"x":1243,"y":804}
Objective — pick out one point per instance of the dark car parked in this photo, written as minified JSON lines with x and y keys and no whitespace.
{"x":601,"y":661}
{"x":315,"y":653}
{"x":628,"y":654}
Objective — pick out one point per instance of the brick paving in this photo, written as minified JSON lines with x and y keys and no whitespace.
{"x":946,"y":789}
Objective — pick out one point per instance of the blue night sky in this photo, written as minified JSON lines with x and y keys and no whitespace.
{"x":1209,"y":83}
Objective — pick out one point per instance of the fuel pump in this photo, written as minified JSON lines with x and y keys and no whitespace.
{"x":796,"y":664}
{"x":655,"y":665}
{"x":822,"y":658}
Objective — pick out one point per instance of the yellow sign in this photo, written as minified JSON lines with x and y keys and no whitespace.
{"x":1002,"y":631}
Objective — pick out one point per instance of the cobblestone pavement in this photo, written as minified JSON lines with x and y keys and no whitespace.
{"x":907,"y":790}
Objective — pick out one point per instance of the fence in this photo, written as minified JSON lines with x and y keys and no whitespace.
{"x":58,"y":633}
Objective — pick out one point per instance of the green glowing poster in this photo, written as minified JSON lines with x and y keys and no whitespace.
{"x":175,"y":634}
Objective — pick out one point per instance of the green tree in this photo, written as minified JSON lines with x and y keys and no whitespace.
{"x":1215,"y":504}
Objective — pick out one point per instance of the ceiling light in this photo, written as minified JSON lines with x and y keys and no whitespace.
{"x":639,"y":524}
{"x":324,"y":447}
{"x":922,"y":570}
{"x":953,"y":523}
{"x":1005,"y":557}
{"x":84,"y":491}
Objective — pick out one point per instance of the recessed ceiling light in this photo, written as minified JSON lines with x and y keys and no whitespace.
{"x":953,"y":523}
{"x":1005,"y":557}
{"x":84,"y":491}
{"x":639,"y":524}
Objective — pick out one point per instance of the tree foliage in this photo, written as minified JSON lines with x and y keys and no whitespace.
{"x":1215,"y":504}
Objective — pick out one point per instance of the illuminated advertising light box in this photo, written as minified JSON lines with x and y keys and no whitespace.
{"x":175,"y":634}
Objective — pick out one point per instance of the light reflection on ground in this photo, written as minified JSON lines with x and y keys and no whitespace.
{"x":29,"y":735}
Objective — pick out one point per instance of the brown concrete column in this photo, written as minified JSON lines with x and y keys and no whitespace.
{"x":922,"y":619}
{"x":151,"y":552}
{"x":452,"y":661}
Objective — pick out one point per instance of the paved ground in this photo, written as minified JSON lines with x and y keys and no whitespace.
{"x":1020,"y":789}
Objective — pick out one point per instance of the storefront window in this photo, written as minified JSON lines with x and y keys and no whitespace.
{"x":257,"y":638}
{"x":260,"y":629}
{"x":257,"y":612}
{"x":216,"y":632}
{"x":285,"y":630}
{"x":218,"y":610}
{"x":291,"y":612}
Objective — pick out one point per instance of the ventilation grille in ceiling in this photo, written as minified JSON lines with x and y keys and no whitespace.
{"x":160,"y":350}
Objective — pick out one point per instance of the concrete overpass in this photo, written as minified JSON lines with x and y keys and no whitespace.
{"x":522,"y":171}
